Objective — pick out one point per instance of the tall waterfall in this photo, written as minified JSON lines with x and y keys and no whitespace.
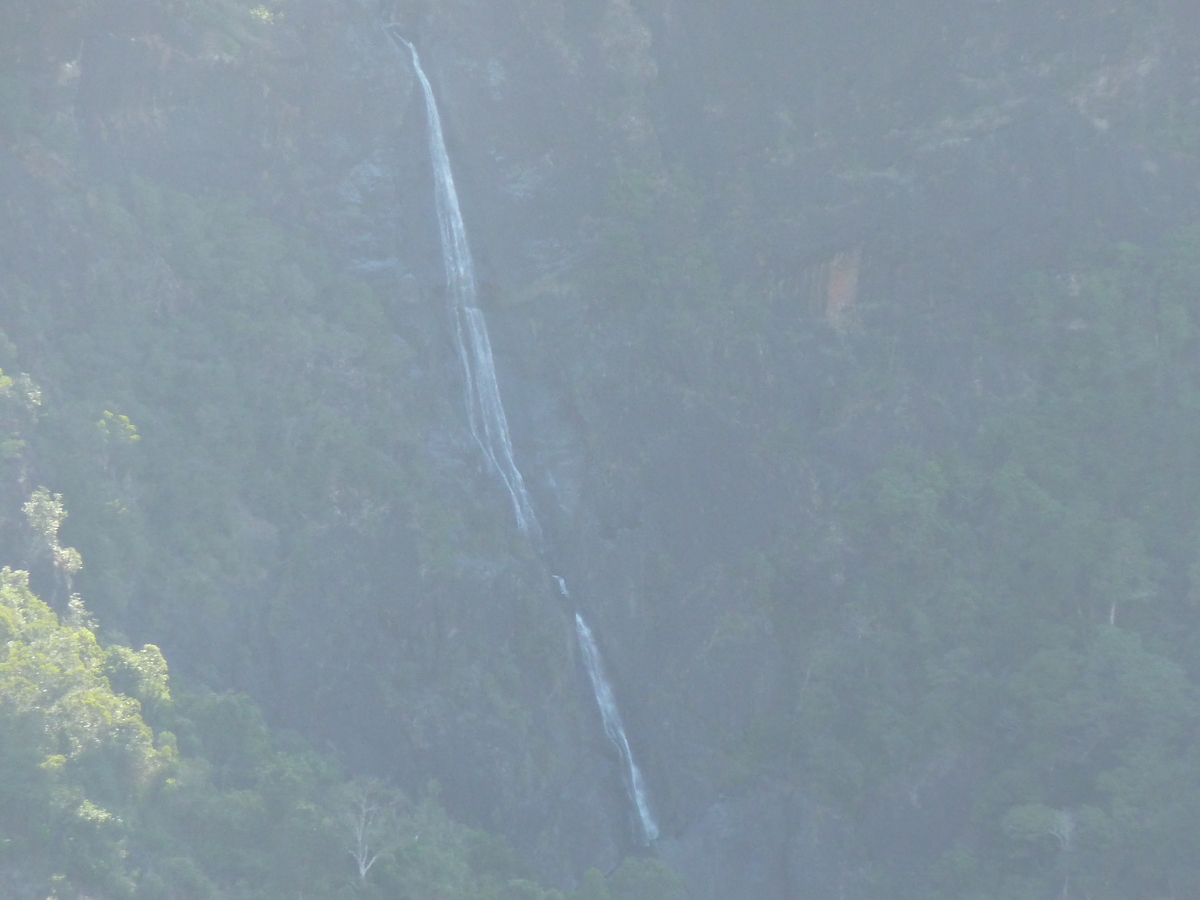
{"x":485,"y":414}
{"x":611,"y":717}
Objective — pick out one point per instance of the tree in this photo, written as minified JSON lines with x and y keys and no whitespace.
{"x":368,"y":818}
{"x":645,"y":879}
{"x":45,"y":513}
{"x":592,"y":887}
{"x":1037,"y":823}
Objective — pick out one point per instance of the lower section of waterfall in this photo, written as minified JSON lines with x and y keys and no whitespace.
{"x":489,"y":427}
{"x":611,"y":717}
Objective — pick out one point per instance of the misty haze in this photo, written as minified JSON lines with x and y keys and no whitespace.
{"x":599,"y":450}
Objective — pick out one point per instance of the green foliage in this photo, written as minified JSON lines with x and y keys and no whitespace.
{"x":645,"y":879}
{"x":117,"y":428}
{"x":141,"y":674}
{"x":93,"y":801}
{"x":245,"y":452}
{"x":229,"y":403}
{"x":20,"y":402}
{"x":45,"y":513}
{"x":1017,"y":597}
{"x":1013,"y":595}
{"x":79,"y":751}
{"x":592,"y":887}
{"x":637,"y":878}
{"x":1025,"y":592}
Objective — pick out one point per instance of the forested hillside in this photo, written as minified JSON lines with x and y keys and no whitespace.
{"x":851,"y":357}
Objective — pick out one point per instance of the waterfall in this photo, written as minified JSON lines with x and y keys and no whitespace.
{"x":485,"y":415}
{"x":485,"y":412}
{"x":611,"y":717}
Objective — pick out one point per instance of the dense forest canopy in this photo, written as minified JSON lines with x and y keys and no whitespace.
{"x":851,"y":357}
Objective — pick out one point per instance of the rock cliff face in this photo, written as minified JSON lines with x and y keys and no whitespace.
{"x":851,"y":172}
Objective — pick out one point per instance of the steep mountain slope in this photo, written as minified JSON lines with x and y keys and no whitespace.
{"x":848,"y":351}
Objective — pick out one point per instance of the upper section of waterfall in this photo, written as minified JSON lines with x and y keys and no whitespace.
{"x":485,"y":411}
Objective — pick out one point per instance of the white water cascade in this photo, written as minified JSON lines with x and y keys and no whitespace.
{"x":611,"y":717}
{"x":485,"y":414}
